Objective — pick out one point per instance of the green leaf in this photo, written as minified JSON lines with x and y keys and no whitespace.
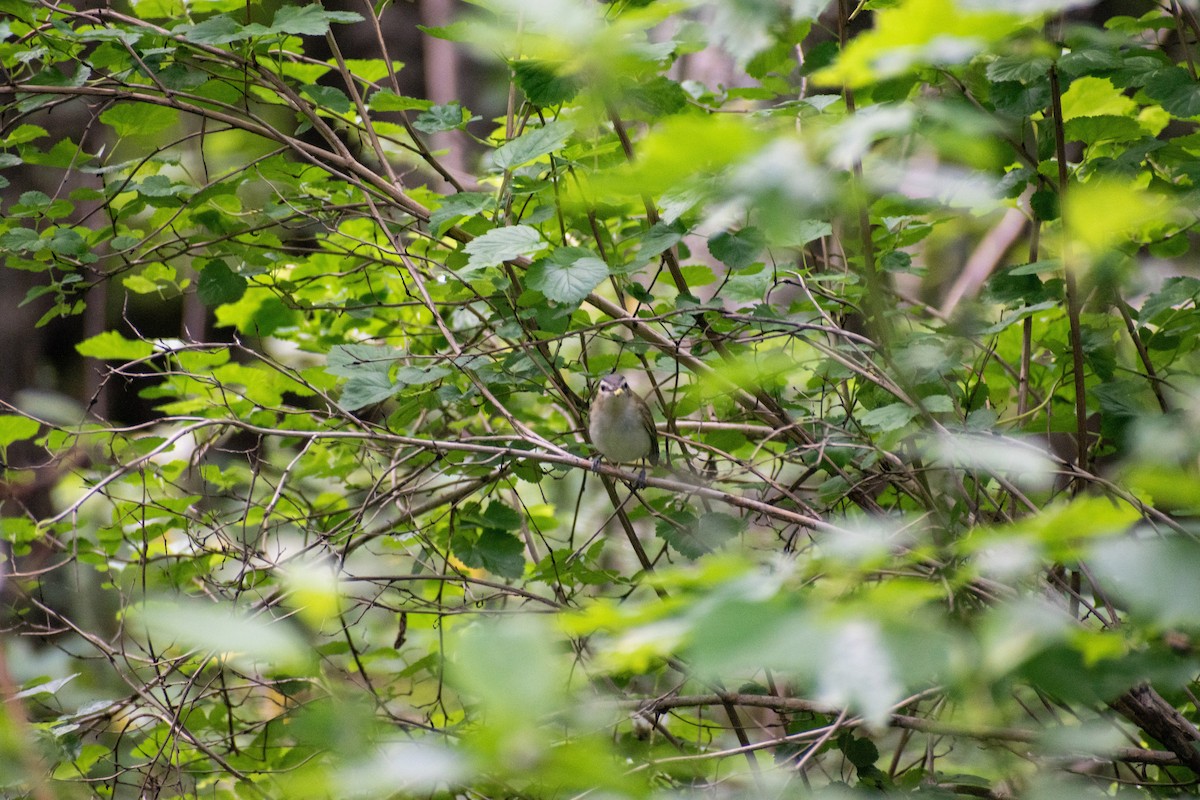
{"x":219,"y":629}
{"x":542,"y":82}
{"x":219,"y":284}
{"x":387,"y":100}
{"x":446,"y":117}
{"x":739,"y":249}
{"x":1176,"y":91}
{"x":496,"y":551}
{"x":221,"y":29}
{"x":15,"y":429}
{"x":139,"y":119}
{"x":457,"y":206}
{"x":1095,"y":97}
{"x":1022,"y":68}
{"x":659,"y":238}
{"x":348,"y":360}
{"x":915,"y":33}
{"x":888,"y":418}
{"x":533,"y":144}
{"x":858,"y":673}
{"x":659,"y":96}
{"x":568,"y":275}
{"x":693,"y":537}
{"x":365,"y":390}
{"x":48,"y":687}
{"x":1092,"y":129}
{"x":500,"y":244}
{"x":111,"y":345}
{"x":1155,"y":577}
{"x":329,"y":97}
{"x":309,"y":19}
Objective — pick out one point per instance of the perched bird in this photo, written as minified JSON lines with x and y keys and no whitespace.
{"x":621,"y":425}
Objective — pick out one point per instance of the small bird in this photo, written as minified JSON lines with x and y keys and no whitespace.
{"x":621,"y":425}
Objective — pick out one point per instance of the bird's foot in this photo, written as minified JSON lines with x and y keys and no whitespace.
{"x":596,"y":463}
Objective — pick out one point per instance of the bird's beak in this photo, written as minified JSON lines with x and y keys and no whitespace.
{"x":617,"y":392}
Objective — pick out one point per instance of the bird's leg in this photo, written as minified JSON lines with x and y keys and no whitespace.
{"x":596,"y":463}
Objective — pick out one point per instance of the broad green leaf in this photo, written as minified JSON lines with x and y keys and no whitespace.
{"x":329,"y":97}
{"x":1092,"y":129}
{"x":222,"y":631}
{"x":543,"y":83}
{"x":858,"y":672}
{"x":501,"y":244}
{"x":139,"y":119}
{"x":496,"y":551}
{"x":888,"y":418}
{"x":387,"y":100}
{"x":111,"y":345}
{"x":533,"y":144}
{"x":15,"y":429}
{"x":366,"y":389}
{"x":1155,"y":576}
{"x":685,"y":148}
{"x":309,"y":20}
{"x":157,"y":9}
{"x":659,"y":238}
{"x":219,"y":284}
{"x":1022,"y":68}
{"x":1095,"y":97}
{"x":737,"y":249}
{"x":693,"y":537}
{"x":457,"y":206}
{"x":47,"y":687}
{"x":568,"y":275}
{"x":442,"y":118}
{"x":221,"y":29}
{"x":915,"y":33}
{"x":1176,"y":90}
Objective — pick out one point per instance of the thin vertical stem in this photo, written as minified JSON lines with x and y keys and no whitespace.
{"x":1073,"y":302}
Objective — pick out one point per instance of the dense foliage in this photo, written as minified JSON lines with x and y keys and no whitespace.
{"x":910,"y":299}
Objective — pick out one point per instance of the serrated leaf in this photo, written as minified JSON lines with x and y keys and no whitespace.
{"x":349,"y":360}
{"x":1018,"y":68}
{"x":446,"y":117}
{"x":139,"y":119}
{"x":659,"y":96}
{"x":456,"y":206}
{"x":494,"y":550}
{"x":1090,"y":130}
{"x":387,"y":100}
{"x":542,"y":83}
{"x":366,"y":389}
{"x":1175,"y":89}
{"x":739,"y":249}
{"x":112,"y":346}
{"x":693,"y":537}
{"x":219,"y":284}
{"x":661,"y":237}
{"x":329,"y":97}
{"x":221,"y":29}
{"x":309,"y":20}
{"x":568,"y":275}
{"x":535,"y":143}
{"x":419,"y":376}
{"x":888,"y":418}
{"x":500,"y":244}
